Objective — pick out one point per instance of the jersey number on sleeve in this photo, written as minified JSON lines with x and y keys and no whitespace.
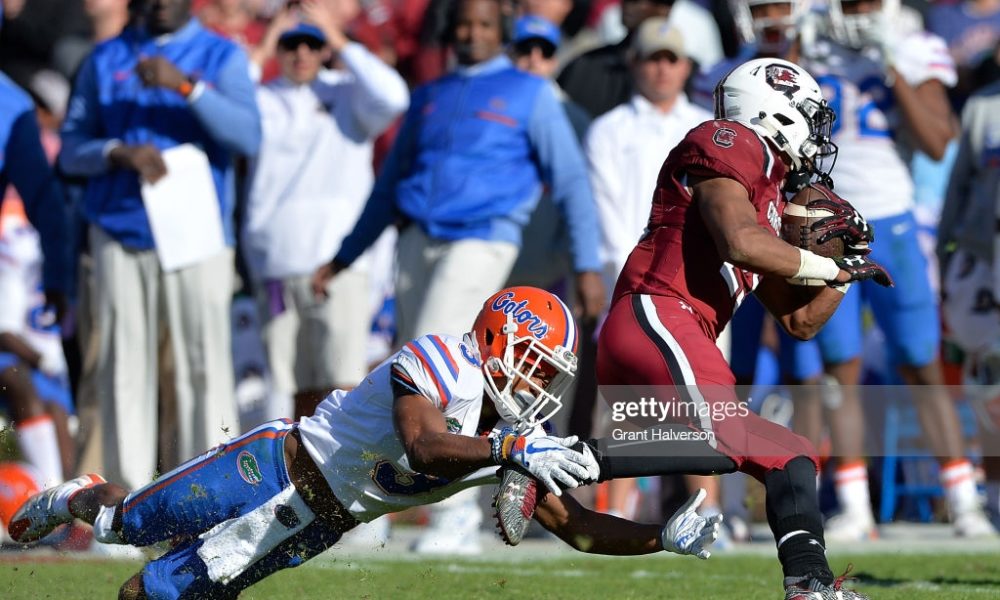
{"x":391,"y":480}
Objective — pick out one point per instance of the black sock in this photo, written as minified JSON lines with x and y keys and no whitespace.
{"x":795,"y":520}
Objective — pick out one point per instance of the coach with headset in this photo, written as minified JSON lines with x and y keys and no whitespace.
{"x":462,"y":180}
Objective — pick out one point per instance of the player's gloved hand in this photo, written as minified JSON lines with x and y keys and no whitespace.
{"x":549,"y":459}
{"x":687,"y":532}
{"x":846,"y":223}
{"x":862,"y":268}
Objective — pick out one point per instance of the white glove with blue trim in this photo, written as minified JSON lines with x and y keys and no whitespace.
{"x":549,"y":459}
{"x":687,"y":532}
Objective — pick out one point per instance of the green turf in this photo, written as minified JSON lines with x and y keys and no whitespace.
{"x":883,"y":577}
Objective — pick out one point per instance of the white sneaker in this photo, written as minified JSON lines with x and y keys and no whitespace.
{"x":452,"y":530}
{"x":850,"y":527}
{"x":973,"y":524}
{"x":45,"y":511}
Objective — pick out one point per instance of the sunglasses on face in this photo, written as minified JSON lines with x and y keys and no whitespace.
{"x":292,"y":44}
{"x":528,"y":46}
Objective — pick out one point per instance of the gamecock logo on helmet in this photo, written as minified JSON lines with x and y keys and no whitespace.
{"x":782,"y":79}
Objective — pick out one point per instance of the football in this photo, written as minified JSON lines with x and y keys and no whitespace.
{"x":796,"y":228}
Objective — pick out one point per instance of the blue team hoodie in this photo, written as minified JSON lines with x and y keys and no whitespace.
{"x":110,"y":103}
{"x":470,"y":160}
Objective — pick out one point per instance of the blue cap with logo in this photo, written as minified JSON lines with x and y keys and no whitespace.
{"x":303,"y":30}
{"x":534,"y":27}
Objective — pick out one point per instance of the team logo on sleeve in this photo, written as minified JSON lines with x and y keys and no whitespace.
{"x":724,"y":137}
{"x":454,"y":425}
{"x":782,"y":79}
{"x":246,"y":464}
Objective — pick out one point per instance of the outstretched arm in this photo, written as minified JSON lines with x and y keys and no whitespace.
{"x":596,"y":533}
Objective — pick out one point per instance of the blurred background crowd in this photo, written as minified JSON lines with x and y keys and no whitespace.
{"x":337,"y":177}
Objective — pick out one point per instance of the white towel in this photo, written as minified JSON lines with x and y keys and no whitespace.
{"x":231,"y":547}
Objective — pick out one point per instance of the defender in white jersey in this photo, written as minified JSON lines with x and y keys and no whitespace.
{"x":887,"y":84}
{"x":33,"y":380}
{"x":410,"y":434}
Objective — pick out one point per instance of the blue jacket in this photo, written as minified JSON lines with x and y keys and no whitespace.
{"x":23,"y":163}
{"x":470,"y":160}
{"x":109,"y":103}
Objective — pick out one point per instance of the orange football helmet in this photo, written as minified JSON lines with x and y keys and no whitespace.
{"x":526,"y":334}
{"x":18,"y":482}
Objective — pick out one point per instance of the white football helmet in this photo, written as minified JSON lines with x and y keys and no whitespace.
{"x":784,"y":104}
{"x":862,"y":29}
{"x":762,"y":31}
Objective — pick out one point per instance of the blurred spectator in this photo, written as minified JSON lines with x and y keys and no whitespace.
{"x":391,"y":30}
{"x":309,"y":184}
{"x":463,"y":178}
{"x":33,"y":379}
{"x":625,"y":150}
{"x":43,"y":34}
{"x":234,"y":19}
{"x":889,"y":92}
{"x":544,"y":260}
{"x":107,"y":17}
{"x":600,"y":79}
{"x":165,"y":81}
{"x":969,"y":253}
{"x":971,"y":28}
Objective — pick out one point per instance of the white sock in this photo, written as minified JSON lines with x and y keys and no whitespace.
{"x":103,"y":532}
{"x":851,"y":482}
{"x":36,"y":438}
{"x":959,"y":484}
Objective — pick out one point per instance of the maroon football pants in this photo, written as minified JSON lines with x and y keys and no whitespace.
{"x":658,"y":341}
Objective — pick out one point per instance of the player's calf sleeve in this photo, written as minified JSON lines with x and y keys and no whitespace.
{"x":658,"y":454}
{"x":793,"y":514}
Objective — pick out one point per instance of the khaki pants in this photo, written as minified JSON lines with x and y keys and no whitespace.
{"x":316,"y":345}
{"x":132,"y":297}
{"x":441,"y":286}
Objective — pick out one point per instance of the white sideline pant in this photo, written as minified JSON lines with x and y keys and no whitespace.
{"x":441,"y":285}
{"x":134,"y":299}
{"x":317,"y":345}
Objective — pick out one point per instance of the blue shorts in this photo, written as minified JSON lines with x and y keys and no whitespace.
{"x":907,"y":313}
{"x":797,"y":359}
{"x":228,"y":481}
{"x":51,"y":390}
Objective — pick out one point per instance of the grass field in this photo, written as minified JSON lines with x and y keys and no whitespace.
{"x":883,"y":577}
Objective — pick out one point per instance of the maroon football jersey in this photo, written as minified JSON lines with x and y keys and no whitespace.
{"x":676,"y":256}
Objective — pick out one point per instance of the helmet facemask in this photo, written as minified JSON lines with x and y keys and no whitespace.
{"x":541,"y":374}
{"x":818,"y":153}
{"x":762,"y":30}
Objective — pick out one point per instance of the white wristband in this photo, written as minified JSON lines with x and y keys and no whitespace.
{"x":814,"y":266}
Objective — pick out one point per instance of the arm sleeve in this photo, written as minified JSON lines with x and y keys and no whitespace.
{"x":562,"y":166}
{"x":725,"y":149}
{"x":409,"y":374}
{"x":229,"y":110}
{"x":606,"y":182}
{"x":83,"y":140}
{"x":380,"y":94}
{"x":29,"y":171}
{"x":380,"y":210}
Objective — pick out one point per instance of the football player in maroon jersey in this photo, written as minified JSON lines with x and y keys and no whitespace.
{"x":712,"y":238}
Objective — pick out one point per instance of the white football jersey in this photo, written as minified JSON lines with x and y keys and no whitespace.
{"x":872,"y":170}
{"x":22,"y":303}
{"x":353,"y":440}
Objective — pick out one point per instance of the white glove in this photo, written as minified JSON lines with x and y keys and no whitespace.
{"x":687,"y":532}
{"x":550,"y":460}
